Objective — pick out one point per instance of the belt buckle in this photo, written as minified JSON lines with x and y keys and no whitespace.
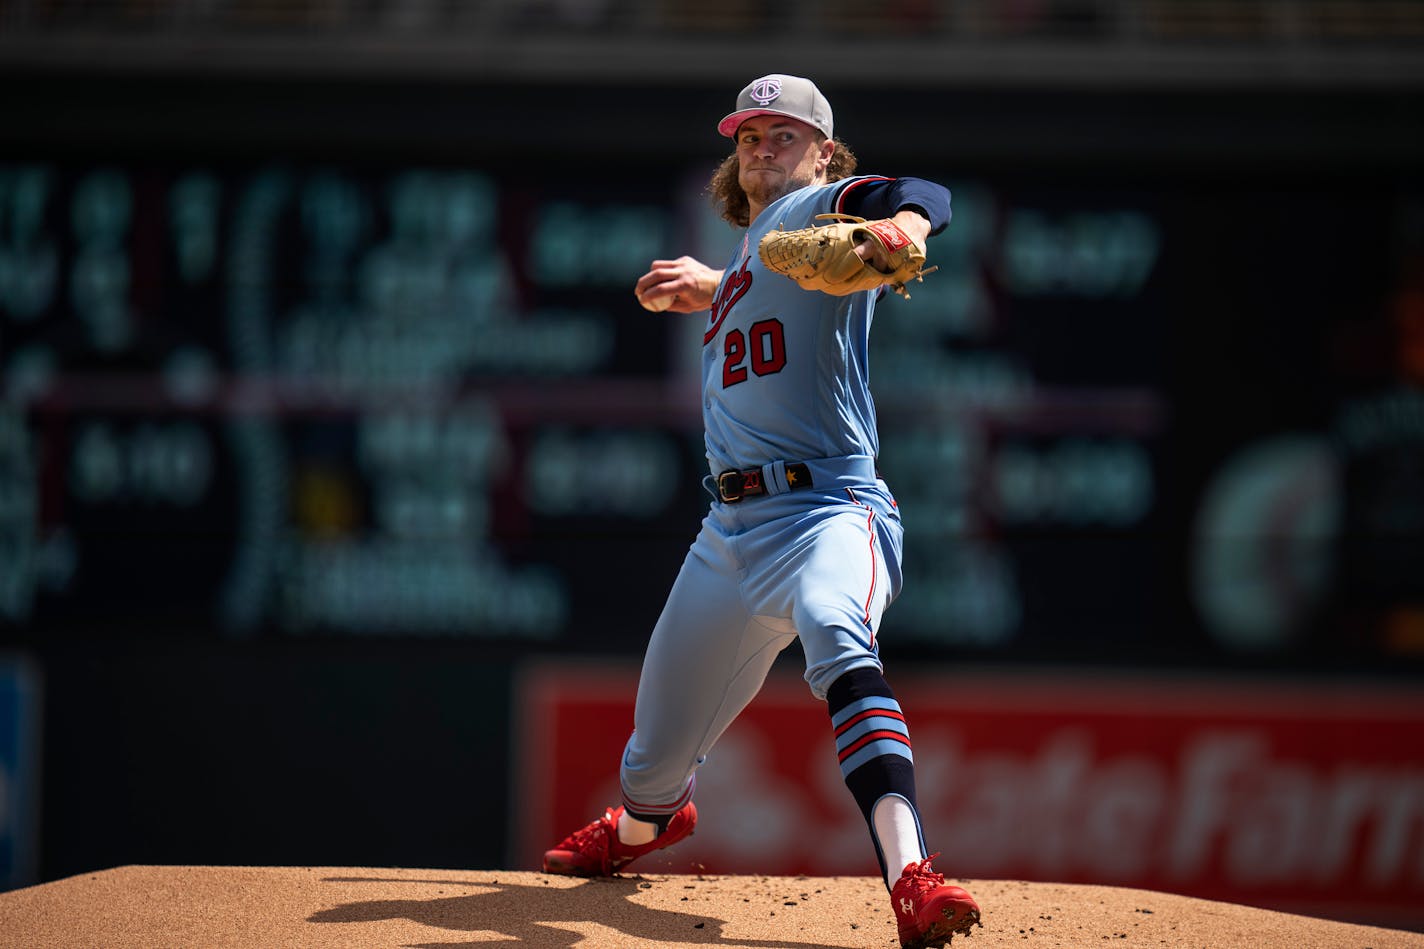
{"x":731,"y":488}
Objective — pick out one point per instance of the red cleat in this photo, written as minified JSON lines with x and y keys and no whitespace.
{"x":928,"y":912}
{"x":595,"y":851}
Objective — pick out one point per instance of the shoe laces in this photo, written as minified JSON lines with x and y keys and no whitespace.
{"x":921,"y":878}
{"x":601,"y":828}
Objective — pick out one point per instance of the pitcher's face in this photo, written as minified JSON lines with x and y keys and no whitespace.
{"x":776,"y":155}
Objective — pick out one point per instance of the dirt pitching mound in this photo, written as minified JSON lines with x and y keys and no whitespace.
{"x":143,"y":906}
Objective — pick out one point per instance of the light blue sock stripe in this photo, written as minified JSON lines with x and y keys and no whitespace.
{"x":876,"y":724}
{"x":885,"y":746}
{"x":861,"y":705}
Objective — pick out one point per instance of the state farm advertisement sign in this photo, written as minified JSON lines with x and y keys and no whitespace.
{"x":1307,"y":797}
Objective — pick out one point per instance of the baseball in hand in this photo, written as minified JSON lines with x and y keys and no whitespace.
{"x":657,"y":304}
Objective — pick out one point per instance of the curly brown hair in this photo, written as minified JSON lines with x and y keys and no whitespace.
{"x":731,"y":201}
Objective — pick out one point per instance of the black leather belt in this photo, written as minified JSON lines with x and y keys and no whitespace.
{"x":734,"y":486}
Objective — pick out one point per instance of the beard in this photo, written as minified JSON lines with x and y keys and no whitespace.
{"x":762,"y":189}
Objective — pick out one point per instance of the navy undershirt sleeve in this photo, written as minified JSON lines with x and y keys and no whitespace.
{"x":878,"y":198}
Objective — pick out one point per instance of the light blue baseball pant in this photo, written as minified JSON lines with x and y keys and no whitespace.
{"x":819,"y":563}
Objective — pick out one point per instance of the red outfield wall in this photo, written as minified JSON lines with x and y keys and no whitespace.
{"x":1307,"y":797}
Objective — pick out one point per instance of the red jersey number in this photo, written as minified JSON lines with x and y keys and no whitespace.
{"x":766,"y":352}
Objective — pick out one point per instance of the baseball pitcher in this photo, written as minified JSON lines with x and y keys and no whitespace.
{"x":802,"y":538}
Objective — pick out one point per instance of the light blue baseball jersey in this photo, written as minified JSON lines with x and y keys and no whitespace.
{"x":786,"y":372}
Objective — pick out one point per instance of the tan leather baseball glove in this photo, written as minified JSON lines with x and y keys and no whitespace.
{"x":824,"y":258}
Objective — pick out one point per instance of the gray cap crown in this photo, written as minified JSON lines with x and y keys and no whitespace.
{"x":778,"y":94}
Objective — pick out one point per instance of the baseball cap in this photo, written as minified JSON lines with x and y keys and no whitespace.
{"x":777,"y":94}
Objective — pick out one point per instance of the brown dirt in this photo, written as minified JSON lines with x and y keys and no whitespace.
{"x":144,"y":906}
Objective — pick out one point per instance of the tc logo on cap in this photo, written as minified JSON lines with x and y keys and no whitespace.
{"x":765,"y":91}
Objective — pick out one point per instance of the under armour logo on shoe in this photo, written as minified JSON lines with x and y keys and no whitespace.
{"x":907,"y":907}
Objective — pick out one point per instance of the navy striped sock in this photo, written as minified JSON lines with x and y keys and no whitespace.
{"x":872,"y":743}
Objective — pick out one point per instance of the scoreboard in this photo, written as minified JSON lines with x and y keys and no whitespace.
{"x":1129,"y":417}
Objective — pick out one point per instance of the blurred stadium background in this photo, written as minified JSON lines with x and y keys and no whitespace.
{"x":341,"y":477}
